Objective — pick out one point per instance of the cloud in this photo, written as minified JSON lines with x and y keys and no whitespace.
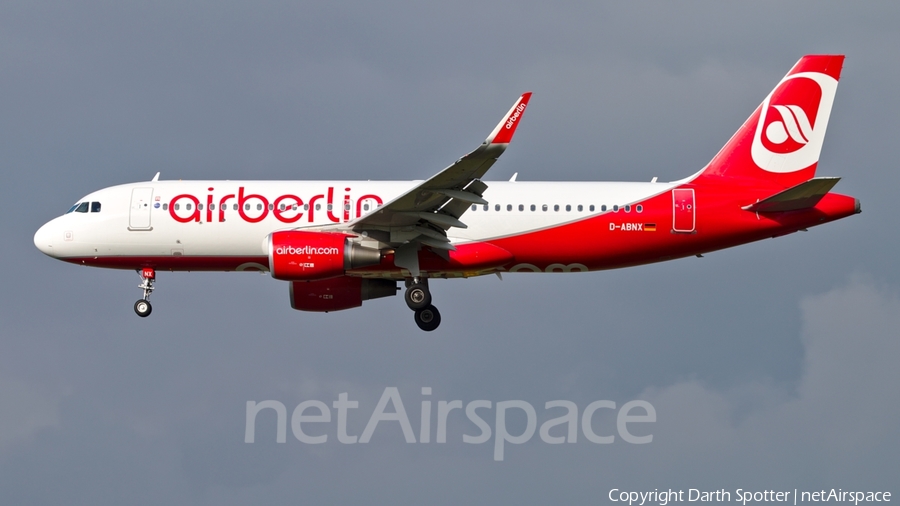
{"x":838,"y":423}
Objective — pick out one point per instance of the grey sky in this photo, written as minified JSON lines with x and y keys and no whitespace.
{"x":771,"y":365}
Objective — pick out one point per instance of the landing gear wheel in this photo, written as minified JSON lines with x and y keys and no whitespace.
{"x":143,"y":308}
{"x":417,"y":296}
{"x":428,"y":318}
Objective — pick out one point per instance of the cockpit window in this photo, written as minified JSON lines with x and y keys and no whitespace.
{"x":72,"y":208}
{"x":95,"y":207}
{"x":82,"y":208}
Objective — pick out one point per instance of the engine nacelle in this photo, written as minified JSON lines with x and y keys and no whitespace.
{"x":296,"y":255}
{"x":338,"y":293}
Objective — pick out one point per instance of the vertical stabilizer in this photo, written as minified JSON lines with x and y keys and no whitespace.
{"x":781,"y":141}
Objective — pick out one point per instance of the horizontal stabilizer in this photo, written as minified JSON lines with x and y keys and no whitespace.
{"x":803,"y":196}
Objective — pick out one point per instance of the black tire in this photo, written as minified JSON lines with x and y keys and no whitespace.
{"x":143,"y":308}
{"x":417,"y":297}
{"x":428,"y":318}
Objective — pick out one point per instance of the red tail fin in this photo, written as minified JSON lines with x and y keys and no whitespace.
{"x":781,"y":141}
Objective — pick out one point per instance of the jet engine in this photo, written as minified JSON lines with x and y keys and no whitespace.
{"x":334,"y":294}
{"x":296,"y":255}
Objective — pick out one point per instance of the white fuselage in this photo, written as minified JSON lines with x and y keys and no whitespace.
{"x":140,"y":219}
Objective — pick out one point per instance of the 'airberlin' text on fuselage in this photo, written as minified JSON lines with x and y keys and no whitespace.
{"x":254,"y":208}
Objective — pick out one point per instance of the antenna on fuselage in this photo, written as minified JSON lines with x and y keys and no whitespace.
{"x":155,"y":178}
{"x":513,"y":178}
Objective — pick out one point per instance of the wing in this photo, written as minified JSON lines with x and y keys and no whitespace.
{"x":423,"y":215}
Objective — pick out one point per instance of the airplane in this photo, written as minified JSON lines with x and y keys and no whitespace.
{"x":339,"y":243}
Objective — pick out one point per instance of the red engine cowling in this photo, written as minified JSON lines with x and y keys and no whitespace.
{"x":296,"y":255}
{"x":338,"y":293}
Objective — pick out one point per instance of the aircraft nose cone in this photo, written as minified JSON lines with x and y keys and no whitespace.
{"x":44,"y":239}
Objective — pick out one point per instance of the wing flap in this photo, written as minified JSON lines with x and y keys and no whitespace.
{"x":464,"y":196}
{"x":456,"y":207}
{"x":440,"y":219}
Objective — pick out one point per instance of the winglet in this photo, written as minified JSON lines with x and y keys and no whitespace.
{"x":504,"y":131}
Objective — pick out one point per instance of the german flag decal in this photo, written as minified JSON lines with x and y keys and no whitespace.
{"x":649,"y":227}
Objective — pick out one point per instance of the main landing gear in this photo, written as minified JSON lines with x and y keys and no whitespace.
{"x":143,"y":307}
{"x":418,"y":298}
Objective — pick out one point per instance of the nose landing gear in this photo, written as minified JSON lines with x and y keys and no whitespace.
{"x":418,"y":298}
{"x":142,"y":307}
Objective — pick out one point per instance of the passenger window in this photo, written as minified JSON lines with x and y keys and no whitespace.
{"x":165,"y":207}
{"x":603,"y":207}
{"x":521,"y":207}
{"x":271,"y":207}
{"x":615,"y":208}
{"x":329,"y":207}
{"x":532,"y":207}
{"x":199,"y":207}
{"x":318,"y":207}
{"x":234,"y":207}
{"x":474,"y":207}
{"x":628,"y":209}
{"x":177,"y":206}
{"x":509,"y":207}
{"x":497,"y":207}
{"x":580,"y":208}
{"x":306,"y":207}
{"x":591,"y":208}
{"x":212,"y":207}
{"x":246,"y":207}
{"x":95,"y":207}
{"x":568,"y":207}
{"x":259,"y":207}
{"x":486,"y":206}
{"x":639,"y":208}
{"x":281,"y":207}
{"x":82,"y":208}
{"x":365,"y":207}
{"x":556,"y":207}
{"x":544,"y":207}
{"x":187,"y":206}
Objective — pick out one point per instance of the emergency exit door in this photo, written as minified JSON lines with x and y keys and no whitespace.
{"x":139,"y":217}
{"x":683,"y":210}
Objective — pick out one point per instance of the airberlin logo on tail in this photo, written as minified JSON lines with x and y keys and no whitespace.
{"x":792,"y":123}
